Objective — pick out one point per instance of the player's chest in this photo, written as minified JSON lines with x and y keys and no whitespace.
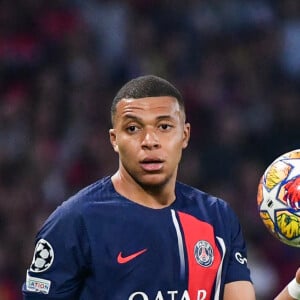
{"x":139,"y":242}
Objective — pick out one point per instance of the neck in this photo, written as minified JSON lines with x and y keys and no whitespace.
{"x":150,"y":196}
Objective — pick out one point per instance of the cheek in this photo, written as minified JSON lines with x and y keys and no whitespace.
{"x":127,"y":148}
{"x":174,"y":150}
{"x":176,"y":144}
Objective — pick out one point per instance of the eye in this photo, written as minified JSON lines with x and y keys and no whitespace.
{"x":165,"y":126}
{"x":132,"y":128}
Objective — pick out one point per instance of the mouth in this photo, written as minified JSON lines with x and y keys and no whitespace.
{"x":152,"y":165}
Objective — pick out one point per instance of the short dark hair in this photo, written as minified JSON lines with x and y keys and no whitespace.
{"x":146,"y":86}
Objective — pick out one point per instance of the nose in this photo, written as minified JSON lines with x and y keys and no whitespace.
{"x":150,"y":140}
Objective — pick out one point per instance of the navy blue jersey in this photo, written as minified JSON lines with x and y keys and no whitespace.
{"x":99,"y":245}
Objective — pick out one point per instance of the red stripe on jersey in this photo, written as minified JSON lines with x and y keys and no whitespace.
{"x":199,"y":239}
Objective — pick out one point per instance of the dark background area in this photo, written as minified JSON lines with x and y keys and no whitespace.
{"x":236,"y":62}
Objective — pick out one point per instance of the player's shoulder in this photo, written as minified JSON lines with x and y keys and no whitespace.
{"x":204,"y":205}
{"x":201,"y":197}
{"x":99,"y":191}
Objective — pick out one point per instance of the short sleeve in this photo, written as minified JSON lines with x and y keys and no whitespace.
{"x":60,"y":260}
{"x":237,"y":252}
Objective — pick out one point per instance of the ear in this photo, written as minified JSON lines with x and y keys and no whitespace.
{"x":113,"y":139}
{"x":186,"y":135}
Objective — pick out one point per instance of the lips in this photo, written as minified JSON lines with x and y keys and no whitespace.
{"x":152,"y":164}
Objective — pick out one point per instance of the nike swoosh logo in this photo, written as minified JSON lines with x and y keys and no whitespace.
{"x":125,"y":259}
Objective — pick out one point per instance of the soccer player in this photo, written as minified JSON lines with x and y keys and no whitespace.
{"x":140,"y":234}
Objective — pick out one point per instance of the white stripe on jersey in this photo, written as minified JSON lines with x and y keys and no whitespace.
{"x":180,"y":243}
{"x":218,"y":279}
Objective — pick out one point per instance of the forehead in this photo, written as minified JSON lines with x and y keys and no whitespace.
{"x":162,"y":104}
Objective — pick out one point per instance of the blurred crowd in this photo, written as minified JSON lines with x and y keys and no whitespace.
{"x":236,"y":62}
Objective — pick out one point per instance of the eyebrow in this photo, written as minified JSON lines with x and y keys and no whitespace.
{"x":138,"y":119}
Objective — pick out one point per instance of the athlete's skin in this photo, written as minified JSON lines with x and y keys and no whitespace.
{"x":284,"y":295}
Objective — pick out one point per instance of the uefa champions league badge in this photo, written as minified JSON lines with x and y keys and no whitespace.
{"x":43,"y":257}
{"x":204,"y":253}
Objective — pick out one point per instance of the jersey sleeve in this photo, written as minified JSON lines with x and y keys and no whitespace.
{"x":60,"y":259}
{"x":237,"y":252}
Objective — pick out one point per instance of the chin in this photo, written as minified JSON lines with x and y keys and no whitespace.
{"x":153,"y":181}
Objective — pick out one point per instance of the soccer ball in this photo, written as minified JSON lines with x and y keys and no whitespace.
{"x":43,"y":257}
{"x":278,"y":198}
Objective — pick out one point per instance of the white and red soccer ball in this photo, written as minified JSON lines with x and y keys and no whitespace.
{"x":278,"y":198}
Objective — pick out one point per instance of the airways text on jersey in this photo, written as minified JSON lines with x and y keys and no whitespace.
{"x":169,"y":295}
